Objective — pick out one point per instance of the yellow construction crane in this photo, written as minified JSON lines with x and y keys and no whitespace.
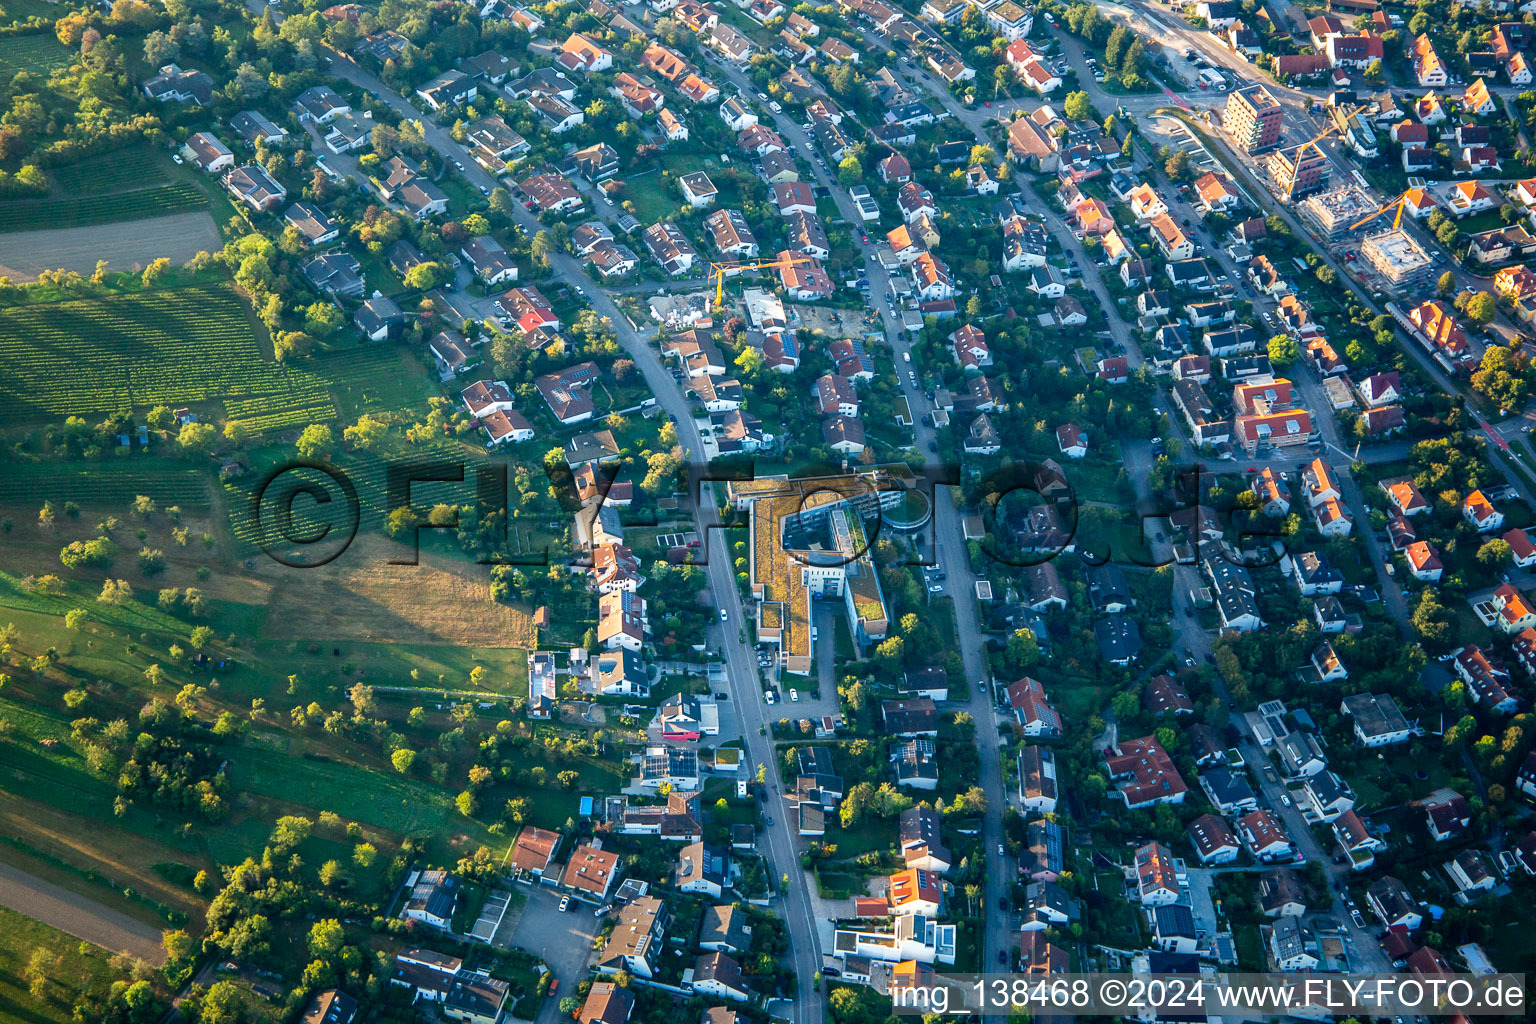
{"x":1332,"y":129}
{"x":719,"y":270}
{"x":1397,"y":203}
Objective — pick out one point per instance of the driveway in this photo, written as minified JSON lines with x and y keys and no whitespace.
{"x":563,"y":941}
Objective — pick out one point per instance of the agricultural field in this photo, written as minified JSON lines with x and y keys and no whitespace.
{"x":103,"y":485}
{"x":106,"y":208}
{"x":139,"y":167}
{"x":37,"y":54}
{"x":194,"y":347}
{"x":12,"y":11}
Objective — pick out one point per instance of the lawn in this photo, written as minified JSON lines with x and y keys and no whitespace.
{"x":386,"y":800}
{"x":72,"y":964}
{"x":651,"y":197}
{"x":869,"y":835}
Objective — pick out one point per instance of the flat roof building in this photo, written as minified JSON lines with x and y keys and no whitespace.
{"x":809,"y":539}
{"x":1398,"y":259}
{"x":1332,"y":212}
{"x":1299,"y":171}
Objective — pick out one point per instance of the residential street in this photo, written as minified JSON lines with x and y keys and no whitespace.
{"x":948,"y":534}
{"x":1364,"y":952}
{"x":778,"y":841}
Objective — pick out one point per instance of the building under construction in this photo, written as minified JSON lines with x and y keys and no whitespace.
{"x":1299,"y":171}
{"x":1333,"y":213}
{"x":1398,"y":259}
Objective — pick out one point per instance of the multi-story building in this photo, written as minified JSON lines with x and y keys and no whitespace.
{"x":1253,"y":117}
{"x":1335,"y":212}
{"x":1398,"y":259}
{"x":1299,"y":171}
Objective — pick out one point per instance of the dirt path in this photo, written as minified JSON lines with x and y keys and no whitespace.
{"x":128,"y":245}
{"x":78,"y":916}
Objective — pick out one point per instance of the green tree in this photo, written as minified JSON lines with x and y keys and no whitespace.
{"x":1282,"y":351}
{"x":368,"y":431}
{"x":326,"y":937}
{"x":1023,"y":652}
{"x":196,"y":438}
{"x":1495,"y":554}
{"x":1447,"y":283}
{"x":403,"y":758}
{"x":322,"y":319}
{"x":1178,"y":166}
{"x":1077,"y":106}
{"x":1482,"y":308}
{"x":221,"y":1004}
{"x":422,"y":277}
{"x":1432,"y":621}
{"x":316,"y":441}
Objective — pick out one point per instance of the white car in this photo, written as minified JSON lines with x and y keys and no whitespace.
{"x":723,"y":615}
{"x":565,"y":904}
{"x":794,"y":696}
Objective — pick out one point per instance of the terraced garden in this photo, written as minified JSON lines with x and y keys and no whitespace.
{"x":189,"y":347}
{"x":128,"y":168}
{"x":103,"y":484}
{"x":36,"y":53}
{"x":106,"y":208}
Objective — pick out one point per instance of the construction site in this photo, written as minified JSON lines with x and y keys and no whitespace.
{"x":1397,"y":259}
{"x":1335,"y":214}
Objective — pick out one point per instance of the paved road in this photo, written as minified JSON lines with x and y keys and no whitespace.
{"x":1365,"y":954}
{"x":998,"y":934}
{"x":78,"y":916}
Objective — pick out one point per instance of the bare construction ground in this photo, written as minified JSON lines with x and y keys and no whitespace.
{"x":130,"y":245}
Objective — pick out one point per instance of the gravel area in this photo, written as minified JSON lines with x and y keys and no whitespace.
{"x":78,"y":916}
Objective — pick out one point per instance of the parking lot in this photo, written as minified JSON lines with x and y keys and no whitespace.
{"x":564,"y":941}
